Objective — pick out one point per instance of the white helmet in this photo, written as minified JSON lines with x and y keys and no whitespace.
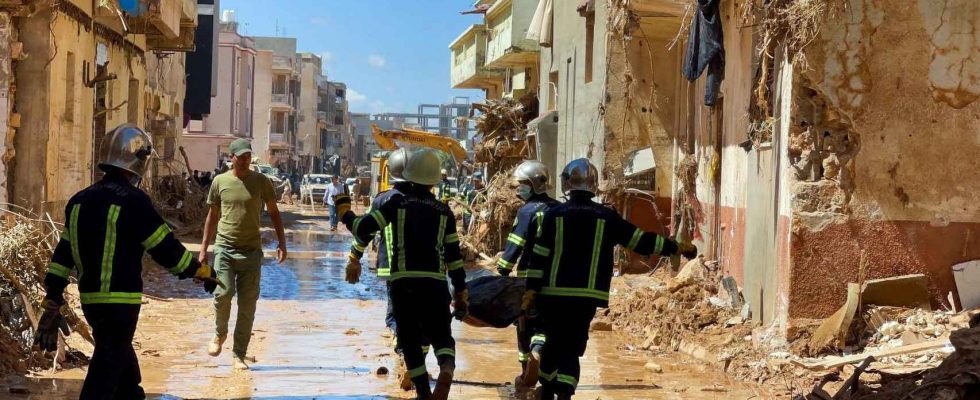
{"x":423,"y":167}
{"x":580,"y":175}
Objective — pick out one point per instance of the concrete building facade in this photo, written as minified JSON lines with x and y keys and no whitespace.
{"x":206,"y":141}
{"x":308,"y":134}
{"x":72,"y":96}
{"x":790,"y":180}
{"x":285,"y":99}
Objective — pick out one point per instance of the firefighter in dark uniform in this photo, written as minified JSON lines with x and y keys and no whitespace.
{"x":423,"y":248}
{"x":444,"y":188}
{"x":108,"y":227}
{"x":532,"y":180}
{"x":396,"y":166}
{"x":571,"y":270}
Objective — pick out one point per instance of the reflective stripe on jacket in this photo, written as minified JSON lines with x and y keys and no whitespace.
{"x":574,"y":253}
{"x":108,"y":227}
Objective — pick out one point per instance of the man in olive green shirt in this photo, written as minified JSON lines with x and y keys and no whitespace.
{"x":235,"y":200}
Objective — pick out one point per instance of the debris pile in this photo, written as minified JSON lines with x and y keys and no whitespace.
{"x":181,"y":203}
{"x":26,"y":245}
{"x":493,"y":214}
{"x":502,"y":132}
{"x":955,"y":378}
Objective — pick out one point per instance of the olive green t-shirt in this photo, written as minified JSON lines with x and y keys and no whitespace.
{"x":241,"y":202}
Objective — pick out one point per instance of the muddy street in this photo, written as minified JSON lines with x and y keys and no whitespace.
{"x":318,"y":337}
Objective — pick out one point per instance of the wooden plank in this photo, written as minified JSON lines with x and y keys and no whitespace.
{"x":896,"y":351}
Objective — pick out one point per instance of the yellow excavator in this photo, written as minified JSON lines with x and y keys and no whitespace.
{"x":387,"y":140}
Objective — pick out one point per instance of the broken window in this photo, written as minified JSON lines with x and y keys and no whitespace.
{"x":133,"y":101}
{"x":589,"y":39}
{"x":70,"y":87}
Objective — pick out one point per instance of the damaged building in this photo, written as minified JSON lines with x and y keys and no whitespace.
{"x":799,"y":149}
{"x":789,"y":140}
{"x":100,"y":64}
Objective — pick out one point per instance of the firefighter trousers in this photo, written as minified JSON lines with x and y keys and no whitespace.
{"x":421,"y":309}
{"x":529,"y":338}
{"x":390,"y":323}
{"x":565,"y":322}
{"x":114,"y":371}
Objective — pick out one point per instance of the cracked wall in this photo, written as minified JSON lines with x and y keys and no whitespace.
{"x":892,"y":86}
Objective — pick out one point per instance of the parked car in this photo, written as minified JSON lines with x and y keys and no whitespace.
{"x":272,"y":174}
{"x":314,"y":185}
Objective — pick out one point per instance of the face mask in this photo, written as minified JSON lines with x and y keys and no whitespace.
{"x":524,"y":192}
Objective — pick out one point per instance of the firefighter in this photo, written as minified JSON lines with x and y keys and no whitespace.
{"x":444,"y":191}
{"x":108,"y":227}
{"x":423,"y":248}
{"x":396,"y":166}
{"x":532,"y":186}
{"x":571,"y":270}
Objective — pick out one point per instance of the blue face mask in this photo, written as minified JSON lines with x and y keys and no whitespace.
{"x":524,"y":192}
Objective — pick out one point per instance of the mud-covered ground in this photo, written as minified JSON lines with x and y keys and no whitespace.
{"x":317,"y":337}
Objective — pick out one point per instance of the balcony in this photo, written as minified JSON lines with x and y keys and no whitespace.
{"x":469,"y":52}
{"x":278,"y":141}
{"x":282,"y":102}
{"x":507,"y":24}
{"x":169,"y":25}
{"x":282,"y":64}
{"x":321,"y":116}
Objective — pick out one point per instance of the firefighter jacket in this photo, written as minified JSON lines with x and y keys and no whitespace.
{"x":467,"y":193}
{"x":523,"y":235}
{"x":108,"y":226}
{"x":422,"y":241}
{"x":357,"y":248}
{"x":573,"y":256}
{"x":444,"y":191}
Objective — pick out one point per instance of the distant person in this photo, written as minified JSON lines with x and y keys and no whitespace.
{"x":333,"y":188}
{"x":287,"y":192}
{"x":444,"y":191}
{"x":235,"y":203}
{"x":356,"y":190}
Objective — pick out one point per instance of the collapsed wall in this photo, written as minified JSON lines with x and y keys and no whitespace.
{"x":883,"y":150}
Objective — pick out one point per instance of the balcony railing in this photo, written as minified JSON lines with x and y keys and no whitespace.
{"x":169,"y":25}
{"x":282,"y":100}
{"x":280,"y":63}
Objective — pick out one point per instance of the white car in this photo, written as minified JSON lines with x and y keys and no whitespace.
{"x":314,"y":185}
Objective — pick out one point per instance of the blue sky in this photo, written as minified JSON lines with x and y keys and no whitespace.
{"x":392,"y":54}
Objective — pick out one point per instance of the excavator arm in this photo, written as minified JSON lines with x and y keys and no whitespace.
{"x":386,"y":141}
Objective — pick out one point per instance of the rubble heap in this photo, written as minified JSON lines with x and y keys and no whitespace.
{"x":26,"y":245}
{"x":493,"y":213}
{"x":182,"y":204}
{"x":502,"y":128}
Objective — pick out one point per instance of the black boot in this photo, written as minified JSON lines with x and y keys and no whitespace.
{"x":447,"y":368}
{"x":564,"y":397}
{"x":422,"y":387}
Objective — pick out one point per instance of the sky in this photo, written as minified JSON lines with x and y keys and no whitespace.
{"x":392,"y":54}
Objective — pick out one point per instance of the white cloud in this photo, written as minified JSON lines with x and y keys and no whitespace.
{"x":319,"y":21}
{"x":376,"y":61}
{"x":354,"y":96}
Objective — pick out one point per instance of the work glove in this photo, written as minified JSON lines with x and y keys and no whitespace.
{"x":205,"y":274}
{"x":461,"y":304}
{"x":527,"y":301}
{"x":342,"y":202}
{"x":46,"y":336}
{"x":353,"y":270}
{"x":687,"y":249}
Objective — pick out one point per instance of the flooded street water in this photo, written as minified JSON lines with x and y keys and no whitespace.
{"x":317,"y":337}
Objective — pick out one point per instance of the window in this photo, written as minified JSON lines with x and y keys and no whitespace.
{"x":279,"y":122}
{"x":338,"y":120}
{"x":132,"y":103}
{"x":279,"y":86}
{"x":234,"y":115}
{"x":589,"y":39}
{"x":553,"y":91}
{"x":340,"y":93}
{"x":70,"y":87}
